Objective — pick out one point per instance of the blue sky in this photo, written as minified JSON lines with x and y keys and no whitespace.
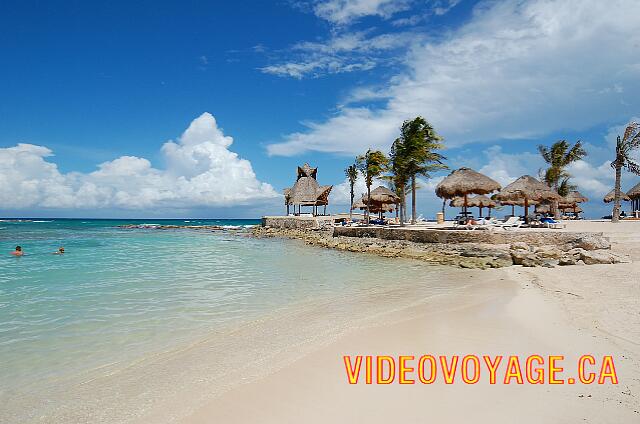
{"x":91,"y":95}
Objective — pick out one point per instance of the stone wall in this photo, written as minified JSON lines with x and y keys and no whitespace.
{"x":588,"y":241}
{"x":297,"y":222}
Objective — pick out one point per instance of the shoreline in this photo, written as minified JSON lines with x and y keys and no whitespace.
{"x":498,"y":316}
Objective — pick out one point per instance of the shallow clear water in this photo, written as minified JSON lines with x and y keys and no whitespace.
{"x":118,"y":295}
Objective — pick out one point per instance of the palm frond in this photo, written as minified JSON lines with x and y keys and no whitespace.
{"x":632,"y":167}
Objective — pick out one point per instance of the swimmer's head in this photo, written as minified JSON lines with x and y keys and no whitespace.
{"x":18,"y":249}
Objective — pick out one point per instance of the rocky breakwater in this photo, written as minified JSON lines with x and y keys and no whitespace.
{"x":587,"y":250}
{"x":462,"y":255}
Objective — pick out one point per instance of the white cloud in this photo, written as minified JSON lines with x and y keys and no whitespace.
{"x":355,"y":41}
{"x":200,"y":171}
{"x":516,"y":70}
{"x":345,"y":11}
{"x":506,"y":168}
{"x":341,"y":193}
{"x":341,"y":53}
{"x":317,"y":66}
{"x":441,"y":7}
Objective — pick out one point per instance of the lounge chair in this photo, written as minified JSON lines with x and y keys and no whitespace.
{"x":512,"y":222}
{"x":481,"y":224}
{"x":552,"y":223}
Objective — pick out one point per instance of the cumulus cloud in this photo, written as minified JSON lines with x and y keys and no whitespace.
{"x":200,"y":171}
{"x":515,"y":70}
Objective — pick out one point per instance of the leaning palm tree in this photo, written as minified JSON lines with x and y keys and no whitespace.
{"x":624,"y":147}
{"x":399,"y":177}
{"x":351,"y":172}
{"x":418,"y":146}
{"x":371,"y":165}
{"x":560,"y":155}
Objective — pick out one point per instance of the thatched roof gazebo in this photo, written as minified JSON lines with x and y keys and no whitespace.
{"x":527,"y":189}
{"x":479,"y":202}
{"x":306,"y":191}
{"x":463,"y":182}
{"x":634,"y":195}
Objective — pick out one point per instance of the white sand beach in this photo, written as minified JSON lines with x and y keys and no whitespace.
{"x":567,"y":311}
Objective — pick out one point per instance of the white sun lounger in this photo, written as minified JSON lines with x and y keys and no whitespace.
{"x":512,"y":222}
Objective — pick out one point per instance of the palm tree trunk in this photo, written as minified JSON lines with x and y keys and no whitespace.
{"x":351,"y":205}
{"x":413,"y":199}
{"x":401,"y":206}
{"x":554,"y":204}
{"x":404,"y":207}
{"x":444,"y":204}
{"x":368,"y":201}
{"x":615,"y":216}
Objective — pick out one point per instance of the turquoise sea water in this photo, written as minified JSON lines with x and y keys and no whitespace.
{"x":113,"y":288}
{"x":118,"y":296}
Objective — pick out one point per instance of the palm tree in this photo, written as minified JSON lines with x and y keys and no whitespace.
{"x":351,"y":172}
{"x":629,"y":142}
{"x":560,"y":155}
{"x":399,"y":177}
{"x":417,"y":149}
{"x":372,"y":164}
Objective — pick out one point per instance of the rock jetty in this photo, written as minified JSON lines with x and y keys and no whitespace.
{"x":586,"y":250}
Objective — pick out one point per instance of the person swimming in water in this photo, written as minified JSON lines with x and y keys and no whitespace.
{"x":18,"y":251}
{"x":60,"y":251}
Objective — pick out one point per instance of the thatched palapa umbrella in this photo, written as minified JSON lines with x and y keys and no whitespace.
{"x":382,"y":200}
{"x":514,"y":203}
{"x":571,"y":200}
{"x":375,"y":208}
{"x":576,"y":197}
{"x":463,"y":182}
{"x":527,"y":189}
{"x":475,"y":202}
{"x":382,"y":194}
{"x":543,"y":208}
{"x":611,"y":196}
